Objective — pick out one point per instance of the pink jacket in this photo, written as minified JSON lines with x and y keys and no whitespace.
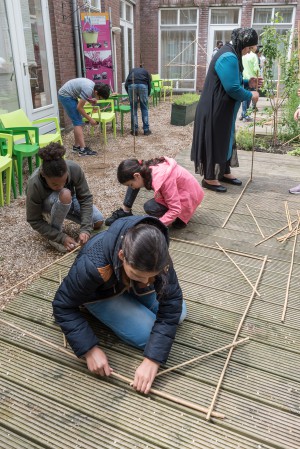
{"x":177,"y":189}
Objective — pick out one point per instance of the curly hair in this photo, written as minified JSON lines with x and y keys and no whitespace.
{"x":54,"y":165}
{"x":127,"y":168}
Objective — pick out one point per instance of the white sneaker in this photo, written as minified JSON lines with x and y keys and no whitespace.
{"x":295,"y":190}
{"x":58,"y":246}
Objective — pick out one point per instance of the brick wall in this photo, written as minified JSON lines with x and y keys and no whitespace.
{"x":61,"y":21}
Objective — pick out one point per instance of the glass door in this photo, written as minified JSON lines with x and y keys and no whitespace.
{"x":221,"y":23}
{"x":30,"y":38}
{"x":9,"y":100}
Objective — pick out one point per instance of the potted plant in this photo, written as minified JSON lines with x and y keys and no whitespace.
{"x":90,"y":35}
{"x":184,"y":108}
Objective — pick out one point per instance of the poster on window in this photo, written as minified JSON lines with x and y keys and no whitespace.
{"x":97,"y":47}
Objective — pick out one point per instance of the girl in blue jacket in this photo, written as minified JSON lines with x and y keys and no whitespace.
{"x":125,"y":278}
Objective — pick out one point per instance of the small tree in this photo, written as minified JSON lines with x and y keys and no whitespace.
{"x":278,"y":51}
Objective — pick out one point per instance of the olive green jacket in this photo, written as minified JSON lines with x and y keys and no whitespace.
{"x":38,"y":191}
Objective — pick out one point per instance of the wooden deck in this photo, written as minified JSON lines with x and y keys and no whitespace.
{"x":49,"y":400}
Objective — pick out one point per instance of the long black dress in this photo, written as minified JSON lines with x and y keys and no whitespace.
{"x":216,"y":112}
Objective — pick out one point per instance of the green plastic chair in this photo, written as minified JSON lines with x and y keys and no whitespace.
{"x":167,"y":86}
{"x":24,"y":150}
{"x":6,"y":167}
{"x":103,"y":112}
{"x":120,"y":107}
{"x":156,"y":85}
{"x":19,"y":118}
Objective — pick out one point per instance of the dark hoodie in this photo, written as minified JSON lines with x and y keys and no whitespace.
{"x":96,"y":274}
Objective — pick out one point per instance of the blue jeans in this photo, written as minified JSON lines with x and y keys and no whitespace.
{"x":130,"y":316}
{"x":151,"y":207}
{"x":59,"y":211}
{"x":138,"y":92}
{"x":70,"y":106}
{"x":245,"y":106}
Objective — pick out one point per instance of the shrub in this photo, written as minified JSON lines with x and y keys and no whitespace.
{"x":186,"y":99}
{"x":295,"y":152}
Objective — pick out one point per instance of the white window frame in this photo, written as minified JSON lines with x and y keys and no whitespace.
{"x":219,"y":27}
{"x":15,"y":21}
{"x":126,"y":26}
{"x":94,"y":5}
{"x":175,"y":27}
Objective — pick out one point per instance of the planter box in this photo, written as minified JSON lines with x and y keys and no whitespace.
{"x":90,"y":38}
{"x":183,"y":115}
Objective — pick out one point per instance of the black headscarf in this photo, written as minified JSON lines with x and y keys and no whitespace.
{"x":242,"y":38}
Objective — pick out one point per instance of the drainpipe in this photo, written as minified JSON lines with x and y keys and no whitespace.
{"x":78,"y":42}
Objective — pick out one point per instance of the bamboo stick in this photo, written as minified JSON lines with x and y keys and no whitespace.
{"x":253,"y":135}
{"x":237,"y":201}
{"x":210,"y":409}
{"x":285,"y":143}
{"x":116,"y":375}
{"x":65,"y":343}
{"x":203,"y":356}
{"x":288,"y":215}
{"x":40,"y":271}
{"x":289,"y":235}
{"x":289,"y":277}
{"x":293,"y":231}
{"x":272,"y":235}
{"x":240,"y":270}
{"x":255,"y":221}
{"x":192,"y":242}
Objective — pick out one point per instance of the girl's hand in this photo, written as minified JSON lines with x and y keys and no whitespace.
{"x":93,"y":122}
{"x":97,"y":362}
{"x":83,"y":238}
{"x":145,"y":375}
{"x":255,"y":97}
{"x":70,"y":243}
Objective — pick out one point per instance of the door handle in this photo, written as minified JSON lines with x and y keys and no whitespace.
{"x":24,"y":67}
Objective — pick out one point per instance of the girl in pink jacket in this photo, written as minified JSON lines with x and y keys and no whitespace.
{"x":177,"y":193}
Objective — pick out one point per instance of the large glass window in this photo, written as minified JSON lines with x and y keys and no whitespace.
{"x":36,"y":52}
{"x":264,"y":16}
{"x":224,"y":16}
{"x":178,"y":46}
{"x":8,"y":87}
{"x":127,"y":36}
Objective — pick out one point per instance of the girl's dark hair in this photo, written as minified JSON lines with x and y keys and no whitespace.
{"x":128,"y":167}
{"x":145,"y":248}
{"x":54,"y":165}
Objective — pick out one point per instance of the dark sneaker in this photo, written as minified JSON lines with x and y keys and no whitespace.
{"x":115,"y":215}
{"x":134,"y":133}
{"x":87,"y":152}
{"x":247,"y":119}
{"x":147,"y":133}
{"x":75,"y":149}
{"x":178,"y":224}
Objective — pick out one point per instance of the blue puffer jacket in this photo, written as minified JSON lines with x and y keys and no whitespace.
{"x":96,"y":274}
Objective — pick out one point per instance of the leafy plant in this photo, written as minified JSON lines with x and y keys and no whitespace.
{"x":186,"y":99}
{"x":295,"y":152}
{"x":244,"y":140}
{"x":278,"y":52}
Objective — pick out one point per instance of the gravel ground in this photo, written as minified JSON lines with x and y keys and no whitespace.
{"x":23,"y":251}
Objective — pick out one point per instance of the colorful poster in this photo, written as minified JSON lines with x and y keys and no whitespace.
{"x":97,"y":47}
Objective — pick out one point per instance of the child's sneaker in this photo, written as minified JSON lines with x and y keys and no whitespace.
{"x":87,"y":152}
{"x":295,"y":190}
{"x":75,"y":149}
{"x":120,"y":213}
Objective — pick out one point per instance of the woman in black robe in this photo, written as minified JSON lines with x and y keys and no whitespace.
{"x":216,"y":113}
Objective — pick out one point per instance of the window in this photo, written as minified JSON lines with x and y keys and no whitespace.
{"x":265,"y":16}
{"x":221,"y":23}
{"x":178,"y":47}
{"x":94,"y":4}
{"x":127,"y":36}
{"x":224,"y":16}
